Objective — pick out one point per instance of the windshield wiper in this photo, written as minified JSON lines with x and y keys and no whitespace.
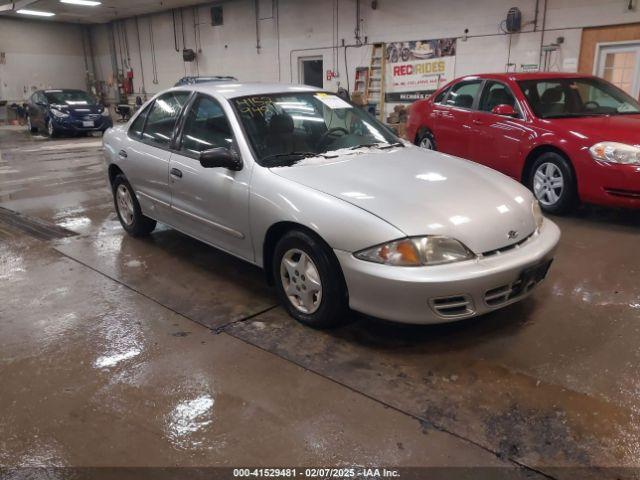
{"x":295,"y":156}
{"x":381,"y":146}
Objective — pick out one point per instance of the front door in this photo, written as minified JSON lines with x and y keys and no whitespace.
{"x":496,"y":139}
{"x":211,"y":204}
{"x":620,"y":65}
{"x":452,"y":120}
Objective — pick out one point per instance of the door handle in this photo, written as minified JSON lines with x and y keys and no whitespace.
{"x":478,"y":122}
{"x":123,"y":153}
{"x":176,"y":173}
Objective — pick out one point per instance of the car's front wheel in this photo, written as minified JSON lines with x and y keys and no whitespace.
{"x":30,"y":126}
{"x":128,"y":209}
{"x":553,"y":183}
{"x":309,"y":281}
{"x":426,"y":140}
{"x":51,"y":129}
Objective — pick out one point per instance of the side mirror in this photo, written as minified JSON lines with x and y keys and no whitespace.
{"x":504,"y":110}
{"x":221,"y":157}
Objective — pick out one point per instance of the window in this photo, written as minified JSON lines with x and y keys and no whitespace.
{"x":163,"y":116}
{"x":135,"y":130}
{"x":206,"y":127}
{"x":576,"y":97}
{"x":440,"y":97}
{"x":463,"y":94}
{"x":494,"y":94}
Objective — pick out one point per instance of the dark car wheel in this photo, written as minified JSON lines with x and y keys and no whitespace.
{"x":30,"y":126}
{"x":51,"y":129}
{"x":553,"y":183}
{"x":426,"y":140}
{"x":128,"y":209}
{"x":309,"y":281}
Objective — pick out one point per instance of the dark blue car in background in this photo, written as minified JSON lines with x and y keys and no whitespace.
{"x":59,"y":111}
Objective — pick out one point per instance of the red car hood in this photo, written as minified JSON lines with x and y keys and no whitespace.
{"x":615,"y":128}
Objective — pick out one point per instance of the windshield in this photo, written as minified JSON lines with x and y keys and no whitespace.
{"x":284,"y":128}
{"x":576,"y":97}
{"x":69,"y":97}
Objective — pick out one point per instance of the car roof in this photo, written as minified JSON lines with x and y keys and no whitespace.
{"x":235,"y":89}
{"x":515,"y":76}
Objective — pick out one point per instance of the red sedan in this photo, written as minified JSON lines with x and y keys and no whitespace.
{"x":568,"y":137}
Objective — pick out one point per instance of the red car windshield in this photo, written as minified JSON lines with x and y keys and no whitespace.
{"x":576,"y":97}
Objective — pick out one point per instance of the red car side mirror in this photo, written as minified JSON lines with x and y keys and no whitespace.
{"x":504,"y":110}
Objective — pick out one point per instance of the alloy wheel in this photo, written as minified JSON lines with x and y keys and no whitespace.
{"x":548,"y":183}
{"x":50,"y":128}
{"x":301,"y":281}
{"x":426,"y":143}
{"x":125,"y":204}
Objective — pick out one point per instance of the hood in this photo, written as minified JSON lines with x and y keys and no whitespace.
{"x":423,"y":192}
{"x":615,"y":128}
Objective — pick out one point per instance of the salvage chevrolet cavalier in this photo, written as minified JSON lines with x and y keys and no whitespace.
{"x":337,"y":210}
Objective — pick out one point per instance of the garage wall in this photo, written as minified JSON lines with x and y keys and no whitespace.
{"x":308,"y":28}
{"x":39,"y":54}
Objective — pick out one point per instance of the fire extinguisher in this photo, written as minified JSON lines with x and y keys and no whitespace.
{"x":128,"y":82}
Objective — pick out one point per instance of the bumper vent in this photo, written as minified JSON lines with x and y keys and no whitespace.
{"x":518,"y":288}
{"x":453,"y":307}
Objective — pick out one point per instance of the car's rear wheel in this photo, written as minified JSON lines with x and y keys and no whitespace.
{"x":128,"y":209}
{"x":553,"y":183}
{"x":426,"y":140}
{"x":308,"y":280}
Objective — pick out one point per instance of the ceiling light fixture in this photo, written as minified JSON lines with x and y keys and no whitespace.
{"x":86,"y":3}
{"x":36,"y":13}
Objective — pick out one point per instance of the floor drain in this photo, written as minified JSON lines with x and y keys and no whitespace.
{"x":33,"y":226}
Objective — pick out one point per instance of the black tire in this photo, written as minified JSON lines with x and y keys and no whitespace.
{"x":334,"y":304}
{"x":51,"y":129}
{"x":567,"y":197}
{"x":140,"y":225}
{"x":426,"y":137}
{"x":30,"y":126}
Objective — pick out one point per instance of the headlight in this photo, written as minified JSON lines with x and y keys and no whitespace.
{"x":417,"y":251}
{"x":615,"y":152}
{"x":58,"y":113}
{"x":537,"y":214}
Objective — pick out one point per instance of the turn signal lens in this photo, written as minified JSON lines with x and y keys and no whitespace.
{"x":417,"y":251}
{"x":615,"y":152}
{"x":537,"y":214}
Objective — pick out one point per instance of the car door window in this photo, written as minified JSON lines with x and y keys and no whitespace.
{"x":494,"y":94}
{"x":163,"y":116}
{"x":135,"y":130}
{"x":439,"y":99}
{"x":205,"y":127}
{"x":463,"y":94}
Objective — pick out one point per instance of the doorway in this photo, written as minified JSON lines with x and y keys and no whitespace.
{"x":619,"y":63}
{"x":310,"y":71}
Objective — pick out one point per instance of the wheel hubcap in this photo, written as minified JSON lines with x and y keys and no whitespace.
{"x":301,"y":281}
{"x":50,"y":127}
{"x":29,"y":123}
{"x":426,"y":143}
{"x":125,"y":204}
{"x":548,"y":184}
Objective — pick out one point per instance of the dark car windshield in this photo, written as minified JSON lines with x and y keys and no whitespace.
{"x":287,"y":127}
{"x":576,"y":97}
{"x":69,"y":97}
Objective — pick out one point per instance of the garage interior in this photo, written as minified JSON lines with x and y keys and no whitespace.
{"x":162,"y":352}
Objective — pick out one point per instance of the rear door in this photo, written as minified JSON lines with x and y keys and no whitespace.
{"x":452,"y":119}
{"x":147,"y":152}
{"x":497,"y":139}
{"x":211,"y":204}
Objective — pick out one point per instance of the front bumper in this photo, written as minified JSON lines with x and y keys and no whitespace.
{"x":611,"y":184}
{"x":418,"y":294}
{"x":77,"y":125}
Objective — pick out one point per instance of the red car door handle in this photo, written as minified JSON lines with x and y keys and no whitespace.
{"x":478,"y":122}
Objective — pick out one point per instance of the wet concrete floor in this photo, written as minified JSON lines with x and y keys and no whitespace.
{"x":162,"y":351}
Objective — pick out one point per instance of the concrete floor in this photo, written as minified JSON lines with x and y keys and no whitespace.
{"x":117,"y":351}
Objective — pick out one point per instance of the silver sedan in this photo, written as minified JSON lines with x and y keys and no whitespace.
{"x":338,"y":211}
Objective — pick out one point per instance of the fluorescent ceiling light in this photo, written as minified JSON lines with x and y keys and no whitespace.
{"x":86,"y":3}
{"x":37,"y":13}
